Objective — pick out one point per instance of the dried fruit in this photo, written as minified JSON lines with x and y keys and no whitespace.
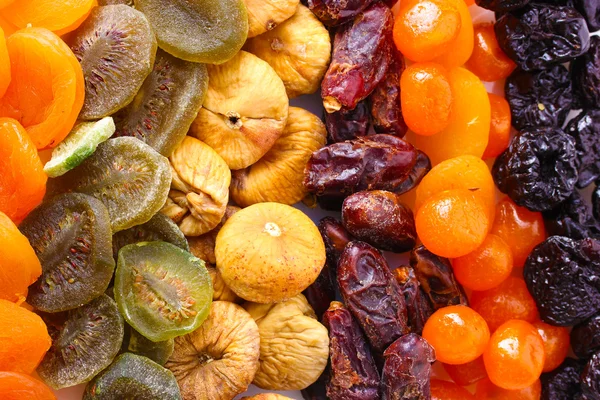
{"x":487,"y":390}
{"x":348,"y":124}
{"x":220,"y":289}
{"x":444,"y":390}
{"x":159,"y":352}
{"x":278,"y":175}
{"x":264,"y":16}
{"x":298,"y":50}
{"x":501,"y":5}
{"x":468,"y":373}
{"x":585,"y":337}
{"x":500,"y":128}
{"x":572,"y":218}
{"x":231,"y":121}
{"x":586,"y":74}
{"x":590,"y":377}
{"x":203,"y":246}
{"x":563,"y":382}
{"x":418,"y":307}
{"x":267,"y":396}
{"x":488,"y":61}
{"x":200,"y":187}
{"x":335,"y":12}
{"x":14,"y":386}
{"x":556,"y":344}
{"x":217,"y":361}
{"x":415,"y":176}
{"x":58,"y":16}
{"x":589,"y":9}
{"x":294,"y":346}
{"x":585,"y":129}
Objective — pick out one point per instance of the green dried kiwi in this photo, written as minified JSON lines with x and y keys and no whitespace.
{"x":71,"y":236}
{"x":159,"y":228}
{"x":159,"y":352}
{"x":161,"y":290}
{"x":133,"y":377}
{"x":84,"y":342}
{"x":116,"y":48}
{"x":127,"y":175}
{"x":166,"y":105}
{"x":204,"y":31}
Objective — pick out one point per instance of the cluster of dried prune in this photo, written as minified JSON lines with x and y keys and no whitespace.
{"x":585,"y":128}
{"x":501,"y":6}
{"x":585,"y":337}
{"x":586,"y":74}
{"x":572,"y":218}
{"x":590,"y":377}
{"x":563,"y":382}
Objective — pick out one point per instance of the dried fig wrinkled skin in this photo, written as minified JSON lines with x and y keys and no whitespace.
{"x":299,"y":50}
{"x":353,"y":373}
{"x":294,"y":346}
{"x":221,"y":291}
{"x":266,"y":15}
{"x":418,"y":307}
{"x":200,"y":187}
{"x":267,"y":396}
{"x":347,"y":124}
{"x":337,"y":12}
{"x":203,"y":246}
{"x":372,"y":294}
{"x":278,"y":175}
{"x":217,"y":361}
{"x":407,"y":369}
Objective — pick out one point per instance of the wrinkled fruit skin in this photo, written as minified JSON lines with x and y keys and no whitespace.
{"x":586,"y":74}
{"x":563,"y":382}
{"x":321,"y":292}
{"x":417,"y":173}
{"x":539,"y":169}
{"x":585,"y":128}
{"x":372,"y":294}
{"x":336,"y":12}
{"x":353,"y":373}
{"x":585,"y":337}
{"x":562,"y":276}
{"x":590,"y":377}
{"x":501,"y":5}
{"x":418,"y":307}
{"x":590,"y":9}
{"x":347,"y":124}
{"x":407,"y":369}
{"x":540,"y":35}
{"x":361,"y":56}
{"x":572,"y":218}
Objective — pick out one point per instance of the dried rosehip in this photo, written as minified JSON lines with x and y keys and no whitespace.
{"x":539,"y":168}
{"x":374,"y":162}
{"x":437,"y":279}
{"x":541,"y":98}
{"x":378,"y":218}
{"x":372,"y":294}
{"x":407,"y":369}
{"x":590,"y":377}
{"x":585,"y":337}
{"x":353,"y":374}
{"x":585,"y":128}
{"x":337,"y":12}
{"x":563,"y":382}
{"x":347,"y":124}
{"x":418,"y":307}
{"x":361,"y":55}
{"x":572,"y":218}
{"x":562,"y":276}
{"x":590,"y":9}
{"x":540,"y":35}
{"x":501,"y":5}
{"x":586,"y":74}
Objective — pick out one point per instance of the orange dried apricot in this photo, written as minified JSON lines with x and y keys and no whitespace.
{"x":46,"y":90}
{"x":515,"y":355}
{"x":22,"y":177}
{"x":19,"y":266}
{"x":457,"y":333}
{"x":444,"y":390}
{"x":556,"y":344}
{"x":469,"y":2}
{"x":461,"y":48}
{"x":24,"y":339}
{"x":7,"y":27}
{"x":486,"y":390}
{"x":468,"y":373}
{"x":500,"y":126}
{"x":4,"y":64}
{"x":4,"y":3}
{"x":17,"y":386}
{"x":488,"y":61}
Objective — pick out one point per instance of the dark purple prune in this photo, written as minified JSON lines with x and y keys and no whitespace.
{"x":542,"y":98}
{"x":538,"y":36}
{"x":407,"y":369}
{"x":361,"y":55}
{"x":563,"y":382}
{"x":377,"y":162}
{"x":585,"y":337}
{"x":590,"y":378}
{"x":563,"y":277}
{"x":539,"y":169}
{"x":418,"y":307}
{"x":347,"y":124}
{"x":437,"y":279}
{"x":572,"y":218}
{"x":585,"y":128}
{"x":596,"y":202}
{"x":420,"y":169}
{"x":372,"y":294}
{"x":353,"y":374}
{"x":380,"y":219}
{"x":590,"y":9}
{"x":501,"y":6}
{"x":337,"y":12}
{"x":586,"y":75}
{"x":318,"y":390}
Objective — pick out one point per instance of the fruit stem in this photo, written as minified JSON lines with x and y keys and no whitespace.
{"x":272,"y":229}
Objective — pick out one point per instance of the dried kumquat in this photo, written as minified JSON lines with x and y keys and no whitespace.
{"x":444,"y":390}
{"x":17,"y":386}
{"x":500,"y":126}
{"x":556,"y":344}
{"x":486,"y":390}
{"x":488,"y":61}
{"x":468,"y":373}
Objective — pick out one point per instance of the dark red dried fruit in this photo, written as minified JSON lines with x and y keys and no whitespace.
{"x":563,"y":382}
{"x":361,"y":56}
{"x":347,"y":124}
{"x":407,"y":369}
{"x":585,"y":337}
{"x":590,"y":378}
{"x":318,"y":390}
{"x":501,"y":5}
{"x":321,"y":292}
{"x":418,"y":307}
{"x":337,"y":12}
{"x":420,"y":169}
{"x":335,"y":237}
{"x":572,"y":218}
{"x":372,"y":294}
{"x":586,"y":74}
{"x":353,"y":374}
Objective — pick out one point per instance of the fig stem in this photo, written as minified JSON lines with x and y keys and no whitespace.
{"x":272,"y":229}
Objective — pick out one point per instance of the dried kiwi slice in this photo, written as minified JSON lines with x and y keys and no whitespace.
{"x":133,"y":377}
{"x":71,"y":236}
{"x":204,"y":31}
{"x":116,"y":48}
{"x":161,"y":290}
{"x":166,"y":105}
{"x":159,"y":352}
{"x":84,"y":342}
{"x":159,"y":228}
{"x":127,"y":175}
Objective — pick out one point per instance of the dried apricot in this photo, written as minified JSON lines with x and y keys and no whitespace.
{"x":488,"y":61}
{"x":4,"y":64}
{"x":22,"y":177}
{"x":444,"y":390}
{"x":461,"y":48}
{"x":468,"y":373}
{"x":556,"y":344}
{"x":486,"y":390}
{"x":7,"y":27}
{"x":500,"y":125}
{"x":17,"y":386}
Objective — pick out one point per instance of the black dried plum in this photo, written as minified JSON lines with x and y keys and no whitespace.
{"x":539,"y":168}
{"x":585,"y":128}
{"x":572,"y":218}
{"x":563,"y":276}
{"x":590,"y":378}
{"x":563,"y":382}
{"x":541,"y":98}
{"x":347,"y":124}
{"x":596,"y":202}
{"x":586,"y":75}
{"x":501,"y":5}
{"x":540,"y":35}
{"x":590,"y":9}
{"x":585,"y":337}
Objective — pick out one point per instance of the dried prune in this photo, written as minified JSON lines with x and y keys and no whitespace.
{"x":586,"y":74}
{"x":407,"y":369}
{"x":562,"y":275}
{"x":377,"y":162}
{"x":353,"y":373}
{"x":590,"y":378}
{"x":540,"y":35}
{"x":318,"y":390}
{"x":539,"y":169}
{"x":337,"y":12}
{"x":541,"y":98}
{"x":572,"y":218}
{"x":418,"y":307}
{"x":420,"y":169}
{"x":437,"y":279}
{"x":347,"y":124}
{"x":585,"y":128}
{"x":585,"y":337}
{"x":501,"y":5}
{"x":380,"y":219}
{"x":361,"y":55}
{"x":372,"y":294}
{"x":590,"y":9}
{"x":563,"y":382}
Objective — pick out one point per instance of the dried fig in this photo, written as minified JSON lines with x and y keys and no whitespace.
{"x":294,"y":346}
{"x":299,"y":50}
{"x":244,"y":111}
{"x":220,"y":289}
{"x":217,"y":361}
{"x":203,"y":246}
{"x":199,"y":189}
{"x":267,"y":396}
{"x":279,"y":174}
{"x":265,"y":15}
